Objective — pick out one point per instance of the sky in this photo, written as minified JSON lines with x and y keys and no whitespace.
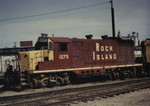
{"x":23,"y":20}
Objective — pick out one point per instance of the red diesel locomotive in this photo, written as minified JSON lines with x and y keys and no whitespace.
{"x":60,"y":60}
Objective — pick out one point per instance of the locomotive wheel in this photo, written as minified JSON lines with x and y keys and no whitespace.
{"x":138,"y":73}
{"x":130,"y":74}
{"x":34,"y":83}
{"x":60,"y":81}
{"x":112,"y":76}
{"x":121,"y":75}
{"x":134,"y":72}
{"x":44,"y":82}
{"x":66,"y":79}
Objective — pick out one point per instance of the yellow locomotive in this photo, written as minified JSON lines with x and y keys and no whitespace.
{"x":146,"y":55}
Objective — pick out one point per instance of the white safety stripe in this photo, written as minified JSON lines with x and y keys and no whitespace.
{"x":85,"y":68}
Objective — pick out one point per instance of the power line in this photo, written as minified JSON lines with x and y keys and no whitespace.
{"x":55,"y":12}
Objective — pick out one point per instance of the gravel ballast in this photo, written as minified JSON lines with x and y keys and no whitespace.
{"x":137,"y":98}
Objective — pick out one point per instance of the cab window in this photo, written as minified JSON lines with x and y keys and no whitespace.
{"x":62,"y":47}
{"x":50,"y":47}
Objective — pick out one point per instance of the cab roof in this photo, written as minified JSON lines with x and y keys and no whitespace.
{"x":60,"y":39}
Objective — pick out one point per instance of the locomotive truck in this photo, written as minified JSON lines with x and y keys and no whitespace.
{"x":62,"y":60}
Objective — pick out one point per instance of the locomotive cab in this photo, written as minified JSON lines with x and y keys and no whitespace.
{"x":29,"y":60}
{"x":48,"y":53}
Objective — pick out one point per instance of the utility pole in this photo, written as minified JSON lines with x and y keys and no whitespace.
{"x":112,"y":18}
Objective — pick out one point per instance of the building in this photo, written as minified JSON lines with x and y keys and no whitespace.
{"x":137,"y":46}
{"x":9,"y":55}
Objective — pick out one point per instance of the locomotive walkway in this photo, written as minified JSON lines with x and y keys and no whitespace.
{"x":74,"y":95}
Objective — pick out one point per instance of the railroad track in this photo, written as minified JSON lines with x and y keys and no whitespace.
{"x":67,"y":96}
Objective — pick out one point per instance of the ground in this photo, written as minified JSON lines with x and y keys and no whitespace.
{"x":137,"y":98}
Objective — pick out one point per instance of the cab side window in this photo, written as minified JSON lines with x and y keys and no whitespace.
{"x":50,"y":46}
{"x":62,"y":47}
